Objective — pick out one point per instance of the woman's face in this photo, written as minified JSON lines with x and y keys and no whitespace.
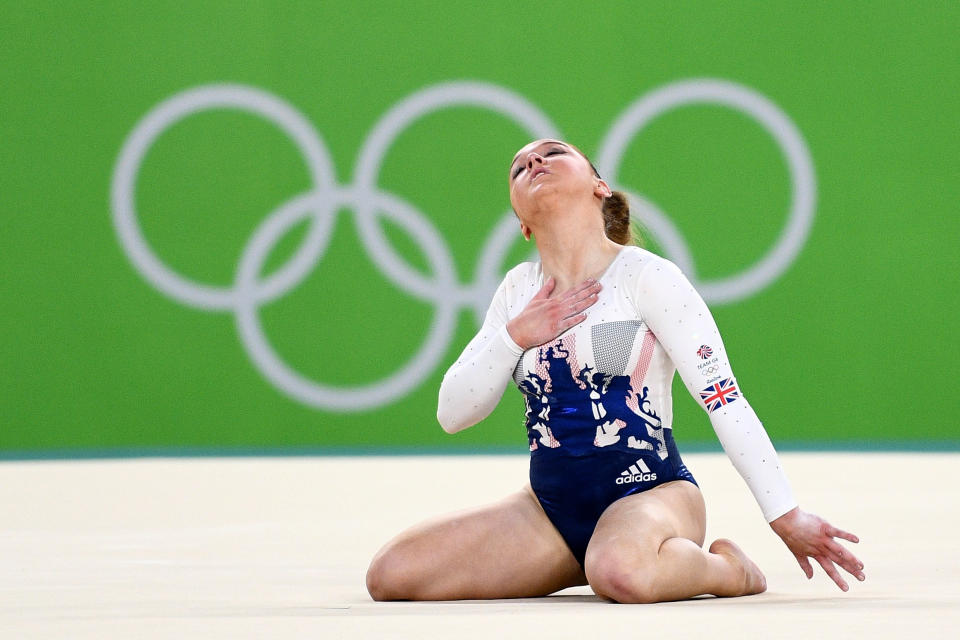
{"x":548,"y":167}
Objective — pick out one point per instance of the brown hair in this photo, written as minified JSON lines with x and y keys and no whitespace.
{"x":616,"y":218}
{"x":616,"y":213}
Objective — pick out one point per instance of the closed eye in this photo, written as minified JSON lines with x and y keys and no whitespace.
{"x":552,"y":152}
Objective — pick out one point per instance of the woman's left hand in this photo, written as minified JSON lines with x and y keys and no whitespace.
{"x":810,"y":536}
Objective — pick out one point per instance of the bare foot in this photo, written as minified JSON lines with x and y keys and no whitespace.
{"x":753,"y":579}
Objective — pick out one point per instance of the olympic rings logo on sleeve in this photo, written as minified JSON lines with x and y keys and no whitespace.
{"x":369,"y":205}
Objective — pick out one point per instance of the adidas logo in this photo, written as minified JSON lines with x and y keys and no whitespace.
{"x":638,"y":472}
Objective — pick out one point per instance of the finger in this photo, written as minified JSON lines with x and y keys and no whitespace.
{"x":833,"y":532}
{"x":855,"y":569}
{"x":580,"y":289}
{"x":805,"y":565}
{"x":584,"y":303}
{"x":834,"y":556}
{"x":851,"y":565}
{"x":835,"y":549}
{"x":546,"y":289}
{"x":581,"y":294}
{"x":844,"y":555}
{"x":848,"y":564}
{"x":833,"y":573}
{"x":572,"y":321}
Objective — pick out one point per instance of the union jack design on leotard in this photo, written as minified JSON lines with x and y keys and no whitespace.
{"x":720,"y":393}
{"x":704,"y":351}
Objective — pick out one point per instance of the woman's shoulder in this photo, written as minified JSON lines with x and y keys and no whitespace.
{"x":637,"y":260}
{"x":648,"y":274}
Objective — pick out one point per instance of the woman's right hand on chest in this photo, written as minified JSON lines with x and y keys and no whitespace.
{"x":544,"y":318}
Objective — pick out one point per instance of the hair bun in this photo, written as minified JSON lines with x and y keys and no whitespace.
{"x":616,"y":218}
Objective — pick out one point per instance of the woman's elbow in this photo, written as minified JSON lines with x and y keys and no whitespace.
{"x":448,"y":421}
{"x":449,"y":411}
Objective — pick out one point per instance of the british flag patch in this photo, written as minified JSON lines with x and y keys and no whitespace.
{"x":720,"y":393}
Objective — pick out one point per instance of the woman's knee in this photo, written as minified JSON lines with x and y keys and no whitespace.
{"x":389,"y":575}
{"x":620,"y":575}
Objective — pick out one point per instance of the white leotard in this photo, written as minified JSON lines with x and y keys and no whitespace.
{"x":647,"y":323}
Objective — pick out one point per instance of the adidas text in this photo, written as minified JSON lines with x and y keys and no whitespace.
{"x":637,"y":477}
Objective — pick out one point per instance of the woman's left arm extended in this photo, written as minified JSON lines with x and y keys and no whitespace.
{"x":683,"y":324}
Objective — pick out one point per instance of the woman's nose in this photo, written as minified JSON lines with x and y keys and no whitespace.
{"x":534,"y":158}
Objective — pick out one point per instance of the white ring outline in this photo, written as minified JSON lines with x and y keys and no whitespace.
{"x":803,"y":198}
{"x":168,"y":113}
{"x":370,"y":160}
{"x":308,"y":391}
{"x":323,"y":201}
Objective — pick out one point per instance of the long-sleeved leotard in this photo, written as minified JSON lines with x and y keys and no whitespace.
{"x":599,"y":407}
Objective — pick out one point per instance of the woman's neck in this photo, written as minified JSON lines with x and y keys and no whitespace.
{"x":571,"y":258}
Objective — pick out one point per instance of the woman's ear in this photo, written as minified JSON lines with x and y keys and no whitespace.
{"x":602,"y":190}
{"x":525,"y":231}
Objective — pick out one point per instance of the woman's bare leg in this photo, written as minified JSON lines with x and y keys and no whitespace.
{"x":647,"y":548}
{"x":508,"y":549}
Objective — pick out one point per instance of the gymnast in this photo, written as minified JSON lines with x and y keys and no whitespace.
{"x":592,"y":336}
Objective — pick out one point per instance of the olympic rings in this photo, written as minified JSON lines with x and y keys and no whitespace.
{"x":368,"y":203}
{"x":168,"y":113}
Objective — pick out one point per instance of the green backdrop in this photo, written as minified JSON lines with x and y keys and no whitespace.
{"x":844,"y":347}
